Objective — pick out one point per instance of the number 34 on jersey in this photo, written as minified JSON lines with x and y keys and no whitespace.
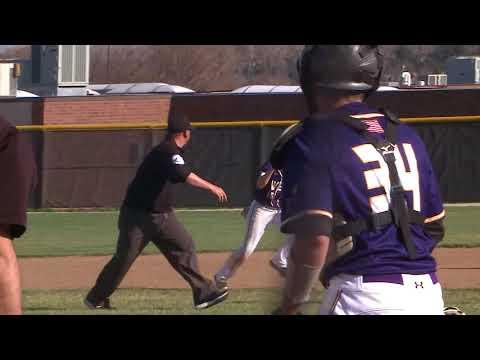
{"x":378,"y":175}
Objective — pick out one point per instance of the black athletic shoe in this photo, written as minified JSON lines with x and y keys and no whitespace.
{"x":281,"y":270}
{"x":214,"y":299}
{"x":102,"y":305}
{"x":221,"y":282}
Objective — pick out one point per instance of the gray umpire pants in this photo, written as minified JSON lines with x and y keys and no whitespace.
{"x":137,"y":228}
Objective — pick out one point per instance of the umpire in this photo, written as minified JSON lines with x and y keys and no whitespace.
{"x":147,"y":214}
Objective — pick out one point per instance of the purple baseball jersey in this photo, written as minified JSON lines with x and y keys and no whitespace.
{"x":330,"y":168}
{"x":270,"y":195}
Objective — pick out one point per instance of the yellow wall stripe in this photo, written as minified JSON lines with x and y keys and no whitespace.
{"x":150,"y":125}
{"x":442,"y":119}
{"x":80,"y":127}
{"x":139,"y":126}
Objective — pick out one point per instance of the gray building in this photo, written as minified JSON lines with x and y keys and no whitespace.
{"x":463,"y":70}
{"x":56,"y":70}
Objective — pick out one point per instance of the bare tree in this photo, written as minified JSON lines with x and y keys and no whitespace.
{"x":226,"y":67}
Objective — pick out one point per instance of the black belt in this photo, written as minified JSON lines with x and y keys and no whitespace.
{"x":149,"y":210}
{"x":373,"y":223}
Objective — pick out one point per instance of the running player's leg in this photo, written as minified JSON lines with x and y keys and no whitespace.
{"x":257,"y":220}
{"x":280,"y":259}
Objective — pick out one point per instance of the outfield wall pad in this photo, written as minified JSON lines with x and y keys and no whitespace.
{"x":92,"y":167}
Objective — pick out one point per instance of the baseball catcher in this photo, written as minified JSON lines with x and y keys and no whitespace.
{"x":360,"y":195}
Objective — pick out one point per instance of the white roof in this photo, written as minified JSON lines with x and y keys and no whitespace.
{"x":262,"y":89}
{"x":466,"y":57}
{"x":92,"y":92}
{"x":22,"y":94}
{"x":387,"y":88}
{"x":138,"y":88}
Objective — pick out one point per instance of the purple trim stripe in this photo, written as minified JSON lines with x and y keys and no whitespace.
{"x":392,"y":278}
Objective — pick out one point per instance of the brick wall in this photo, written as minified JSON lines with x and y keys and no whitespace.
{"x":106,"y":109}
{"x":20,"y":111}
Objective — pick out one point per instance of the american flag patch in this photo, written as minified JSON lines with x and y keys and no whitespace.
{"x":373,"y":126}
{"x":371,"y":120}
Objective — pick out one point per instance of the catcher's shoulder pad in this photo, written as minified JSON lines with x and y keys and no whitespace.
{"x":282,"y":141}
{"x":392,"y":116}
{"x":288,"y":134}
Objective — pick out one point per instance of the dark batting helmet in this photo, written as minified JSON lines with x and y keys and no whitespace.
{"x":353,"y":68}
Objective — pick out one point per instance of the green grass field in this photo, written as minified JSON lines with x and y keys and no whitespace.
{"x":64,"y":234}
{"x":179,"y":302}
{"x":80,"y":233}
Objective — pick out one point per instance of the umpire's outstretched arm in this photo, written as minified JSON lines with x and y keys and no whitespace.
{"x":197,"y":181}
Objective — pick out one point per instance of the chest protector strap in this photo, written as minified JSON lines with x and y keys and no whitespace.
{"x":398,"y":214}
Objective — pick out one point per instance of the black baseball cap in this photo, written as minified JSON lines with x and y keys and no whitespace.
{"x":178,"y":124}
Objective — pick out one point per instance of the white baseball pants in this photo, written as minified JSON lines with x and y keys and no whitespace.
{"x":257,"y":219}
{"x":350,"y":295}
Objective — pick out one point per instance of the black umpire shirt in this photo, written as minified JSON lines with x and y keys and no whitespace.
{"x":152,"y":188}
{"x":17,"y":178}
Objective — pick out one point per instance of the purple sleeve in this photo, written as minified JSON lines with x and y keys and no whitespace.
{"x":265,"y":168}
{"x":307,"y":190}
{"x":433,"y":204}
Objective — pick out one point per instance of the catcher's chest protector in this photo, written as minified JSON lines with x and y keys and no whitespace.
{"x":399,"y":215}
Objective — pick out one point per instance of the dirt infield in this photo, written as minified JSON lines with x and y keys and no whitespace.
{"x":458,"y":268}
